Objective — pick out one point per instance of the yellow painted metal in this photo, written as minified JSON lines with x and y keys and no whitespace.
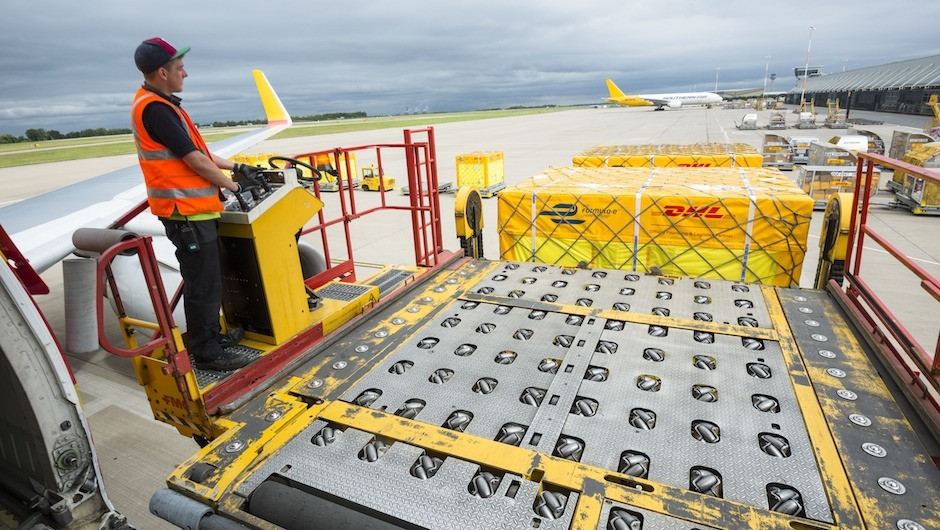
{"x":294,"y":416}
{"x":184,"y":409}
{"x":836,"y":409}
{"x":839,"y":490}
{"x":461,"y":205}
{"x":334,"y":313}
{"x":834,"y":236}
{"x":561,"y":474}
{"x":273,"y":238}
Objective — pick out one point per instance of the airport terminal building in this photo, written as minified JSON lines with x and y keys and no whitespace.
{"x":902,"y":86}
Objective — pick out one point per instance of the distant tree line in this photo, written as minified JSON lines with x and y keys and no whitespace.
{"x":38,"y":135}
{"x":314,"y":117}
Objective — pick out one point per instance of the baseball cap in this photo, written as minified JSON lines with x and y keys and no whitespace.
{"x":154,"y":53}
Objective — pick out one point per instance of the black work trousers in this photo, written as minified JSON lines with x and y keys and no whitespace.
{"x":201,"y":270}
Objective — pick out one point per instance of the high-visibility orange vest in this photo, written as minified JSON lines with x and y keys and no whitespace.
{"x":171,"y":183}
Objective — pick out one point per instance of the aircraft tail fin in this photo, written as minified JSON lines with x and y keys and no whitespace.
{"x":615,"y":92}
{"x":273,"y":108}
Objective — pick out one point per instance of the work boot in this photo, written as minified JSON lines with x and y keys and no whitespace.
{"x":230,"y":359}
{"x":232,"y":338}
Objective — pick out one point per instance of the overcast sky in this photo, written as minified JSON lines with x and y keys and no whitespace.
{"x":68,"y":65}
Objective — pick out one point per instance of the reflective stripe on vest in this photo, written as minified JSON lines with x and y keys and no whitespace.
{"x":181,"y":193}
{"x":172,"y":186}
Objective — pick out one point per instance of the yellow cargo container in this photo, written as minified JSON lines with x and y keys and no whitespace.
{"x":326,"y":165}
{"x":686,"y":155}
{"x":260,"y":159}
{"x":919,"y":195}
{"x":483,"y":170}
{"x":740,"y":224}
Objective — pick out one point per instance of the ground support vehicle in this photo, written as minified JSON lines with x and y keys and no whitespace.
{"x":496,"y":394}
{"x":372,"y":180}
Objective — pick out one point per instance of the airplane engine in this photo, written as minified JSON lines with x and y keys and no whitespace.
{"x":675,"y":104}
{"x":134,"y":292}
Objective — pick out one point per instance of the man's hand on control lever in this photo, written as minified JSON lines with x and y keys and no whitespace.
{"x":248,"y":184}
{"x":249,"y":172}
{"x":249,"y":178}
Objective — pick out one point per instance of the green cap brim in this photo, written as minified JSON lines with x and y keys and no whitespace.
{"x":180,"y":52}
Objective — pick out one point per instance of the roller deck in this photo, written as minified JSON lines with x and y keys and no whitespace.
{"x":494,"y":394}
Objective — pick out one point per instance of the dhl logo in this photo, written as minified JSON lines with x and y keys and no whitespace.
{"x":707,"y":212}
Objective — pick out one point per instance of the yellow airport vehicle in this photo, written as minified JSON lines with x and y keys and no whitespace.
{"x":372,"y":180}
{"x":464,"y":392}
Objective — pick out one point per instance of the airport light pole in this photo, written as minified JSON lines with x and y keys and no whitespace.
{"x":717,"y":68}
{"x":843,"y":64}
{"x":766,"y":69}
{"x":806,"y":70}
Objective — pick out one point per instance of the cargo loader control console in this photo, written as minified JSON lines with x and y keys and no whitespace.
{"x":263,"y":288}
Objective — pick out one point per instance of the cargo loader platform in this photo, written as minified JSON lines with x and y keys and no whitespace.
{"x":519,"y":395}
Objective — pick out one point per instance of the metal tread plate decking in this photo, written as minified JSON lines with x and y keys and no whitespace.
{"x":553,"y":362}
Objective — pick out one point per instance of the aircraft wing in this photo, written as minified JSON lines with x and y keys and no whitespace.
{"x":42,"y":226}
{"x":656,"y":101}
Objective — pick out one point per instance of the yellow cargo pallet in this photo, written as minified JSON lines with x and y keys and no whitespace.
{"x":742,"y":224}
{"x":691,"y":155}
{"x":482,"y":170}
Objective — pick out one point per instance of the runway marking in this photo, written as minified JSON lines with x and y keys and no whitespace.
{"x":883,"y":251}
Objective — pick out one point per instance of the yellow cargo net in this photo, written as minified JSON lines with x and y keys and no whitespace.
{"x":480,"y":169}
{"x":748,"y":225}
{"x":685,"y":155}
{"x":260,"y":159}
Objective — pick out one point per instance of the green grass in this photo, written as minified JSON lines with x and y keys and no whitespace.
{"x":368,"y":124}
{"x":27,"y":153}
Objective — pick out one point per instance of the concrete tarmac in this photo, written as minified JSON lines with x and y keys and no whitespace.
{"x":137,"y":453}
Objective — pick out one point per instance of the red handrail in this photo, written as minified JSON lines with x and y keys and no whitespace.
{"x":424,"y":203}
{"x":915,"y":367}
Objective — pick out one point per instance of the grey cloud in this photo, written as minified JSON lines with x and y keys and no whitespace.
{"x":69,"y":65}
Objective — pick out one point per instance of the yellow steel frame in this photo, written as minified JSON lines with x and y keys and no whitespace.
{"x":595,"y":486}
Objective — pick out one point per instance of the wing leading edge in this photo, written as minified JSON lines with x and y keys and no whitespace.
{"x":42,"y":226}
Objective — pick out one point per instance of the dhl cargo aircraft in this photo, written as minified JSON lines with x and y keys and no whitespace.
{"x":661,"y":101}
